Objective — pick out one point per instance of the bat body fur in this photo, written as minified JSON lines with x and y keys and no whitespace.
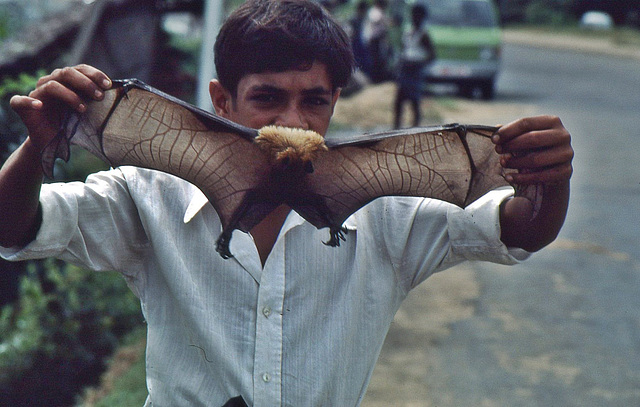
{"x":285,"y":144}
{"x":247,"y":173}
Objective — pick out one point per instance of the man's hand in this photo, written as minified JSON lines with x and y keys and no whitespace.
{"x":540,"y":148}
{"x":42,"y":112}
{"x":65,"y":88}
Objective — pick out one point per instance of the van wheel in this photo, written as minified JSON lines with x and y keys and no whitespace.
{"x":469,"y":90}
{"x":487,"y":89}
{"x":484,"y":90}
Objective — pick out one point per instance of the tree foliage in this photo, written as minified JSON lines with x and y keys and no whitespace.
{"x":54,"y":340}
{"x":12,"y":131}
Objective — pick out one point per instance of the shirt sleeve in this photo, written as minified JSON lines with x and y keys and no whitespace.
{"x":94,"y":224}
{"x":475,"y":231}
{"x":424,"y":236}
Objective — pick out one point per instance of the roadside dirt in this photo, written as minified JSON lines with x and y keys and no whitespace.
{"x":605,"y":43}
{"x":371,"y":109}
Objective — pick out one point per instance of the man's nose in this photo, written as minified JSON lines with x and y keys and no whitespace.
{"x":292,"y":117}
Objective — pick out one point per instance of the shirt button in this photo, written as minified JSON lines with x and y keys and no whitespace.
{"x":266,"y":377}
{"x":266,"y":311}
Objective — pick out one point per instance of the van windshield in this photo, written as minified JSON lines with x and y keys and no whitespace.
{"x":461,"y":13}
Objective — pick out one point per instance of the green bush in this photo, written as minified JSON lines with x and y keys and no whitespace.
{"x":11,"y":128}
{"x":547,"y":12}
{"x":7,"y":24}
{"x":53,"y":342}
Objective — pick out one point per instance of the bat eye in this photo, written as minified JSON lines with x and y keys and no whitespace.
{"x":285,"y":161}
{"x":308,"y":167}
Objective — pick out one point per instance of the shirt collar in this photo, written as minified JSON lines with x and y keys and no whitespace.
{"x":199,"y":200}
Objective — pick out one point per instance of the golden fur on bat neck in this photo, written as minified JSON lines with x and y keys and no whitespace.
{"x":292,"y":145}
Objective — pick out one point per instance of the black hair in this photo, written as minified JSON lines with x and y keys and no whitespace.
{"x":280,"y":35}
{"x":419,"y":12}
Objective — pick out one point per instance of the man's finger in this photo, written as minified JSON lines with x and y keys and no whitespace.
{"x":55,"y":92}
{"x":538,"y":158}
{"x":96,"y":75}
{"x":552,"y":175}
{"x":21,"y":103}
{"x":535,"y":140}
{"x":525,"y":125}
{"x":86,"y":81}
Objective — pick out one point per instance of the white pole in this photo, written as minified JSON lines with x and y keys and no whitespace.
{"x":213,"y":10}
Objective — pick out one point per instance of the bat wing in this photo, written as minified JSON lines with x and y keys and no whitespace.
{"x":245,"y":179}
{"x":454,"y":163}
{"x":138,"y":125}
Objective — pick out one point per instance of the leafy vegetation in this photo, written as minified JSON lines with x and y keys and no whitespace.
{"x":7,"y":23}
{"x":124,"y":383}
{"x":12,"y":131}
{"x":549,"y":12}
{"x":66,"y":322}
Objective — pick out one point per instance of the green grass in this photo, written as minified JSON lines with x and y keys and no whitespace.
{"x":618,"y":35}
{"x":129,"y":390}
{"x":123,"y":384}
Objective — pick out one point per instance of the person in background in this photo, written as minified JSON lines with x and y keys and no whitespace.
{"x":376,"y":29}
{"x":358,"y":44}
{"x":417,"y":52}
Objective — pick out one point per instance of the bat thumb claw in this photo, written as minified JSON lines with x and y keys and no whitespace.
{"x":222,"y":246}
{"x":337,"y":234}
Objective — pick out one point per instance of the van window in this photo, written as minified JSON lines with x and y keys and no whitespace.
{"x":461,"y":13}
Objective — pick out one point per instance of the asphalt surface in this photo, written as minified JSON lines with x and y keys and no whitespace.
{"x":563,"y":328}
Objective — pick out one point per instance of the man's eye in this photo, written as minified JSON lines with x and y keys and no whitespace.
{"x":317,"y":101}
{"x":264,"y":98}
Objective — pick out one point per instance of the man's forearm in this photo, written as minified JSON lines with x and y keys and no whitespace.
{"x":521,"y":229}
{"x":20,"y":182}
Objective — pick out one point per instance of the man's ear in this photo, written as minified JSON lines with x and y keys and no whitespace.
{"x":336,"y":95}
{"x":220,"y":97}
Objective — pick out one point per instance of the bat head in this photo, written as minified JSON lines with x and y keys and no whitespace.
{"x":290,"y":147}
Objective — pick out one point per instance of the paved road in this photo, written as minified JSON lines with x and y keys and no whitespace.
{"x":562,"y":329}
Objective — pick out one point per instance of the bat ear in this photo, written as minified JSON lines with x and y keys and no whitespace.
{"x":220,"y":97}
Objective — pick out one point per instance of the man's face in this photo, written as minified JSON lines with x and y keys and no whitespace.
{"x":298,"y":98}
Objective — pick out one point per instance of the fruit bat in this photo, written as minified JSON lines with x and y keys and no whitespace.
{"x":246,"y":173}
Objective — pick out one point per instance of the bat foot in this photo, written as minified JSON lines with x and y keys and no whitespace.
{"x":222,"y":246}
{"x":337,"y":234}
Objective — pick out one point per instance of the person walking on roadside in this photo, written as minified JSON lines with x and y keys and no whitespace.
{"x":417,"y":52}
{"x":358,"y":43}
{"x":375,"y":33}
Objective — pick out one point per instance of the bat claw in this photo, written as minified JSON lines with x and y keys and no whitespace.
{"x":222,"y":246}
{"x":337,"y":234}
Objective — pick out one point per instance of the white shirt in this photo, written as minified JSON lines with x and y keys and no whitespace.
{"x":413,"y":50}
{"x":304,"y":331}
{"x":376,"y":24}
